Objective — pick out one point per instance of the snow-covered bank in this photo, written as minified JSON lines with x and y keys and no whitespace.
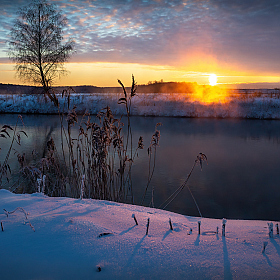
{"x":264,"y":106}
{"x":68,"y":243}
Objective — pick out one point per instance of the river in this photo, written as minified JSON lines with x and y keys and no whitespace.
{"x":240,"y":180}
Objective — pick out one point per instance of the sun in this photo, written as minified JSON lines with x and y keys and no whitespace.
{"x":212,"y":79}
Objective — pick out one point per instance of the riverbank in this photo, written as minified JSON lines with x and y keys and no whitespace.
{"x":91,"y":239}
{"x":252,"y":106}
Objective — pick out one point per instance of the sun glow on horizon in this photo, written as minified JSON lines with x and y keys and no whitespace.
{"x":106,"y":75}
{"x":212,"y":79}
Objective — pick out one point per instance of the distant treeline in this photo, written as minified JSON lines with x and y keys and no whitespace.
{"x":156,"y":87}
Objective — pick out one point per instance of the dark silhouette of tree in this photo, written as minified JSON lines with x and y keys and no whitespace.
{"x":36,"y":44}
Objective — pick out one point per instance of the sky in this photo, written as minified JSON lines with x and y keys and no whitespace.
{"x":180,"y":40}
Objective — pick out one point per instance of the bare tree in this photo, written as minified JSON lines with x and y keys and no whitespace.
{"x":36,"y":43}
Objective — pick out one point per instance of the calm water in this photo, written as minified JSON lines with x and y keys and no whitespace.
{"x":241,"y":180}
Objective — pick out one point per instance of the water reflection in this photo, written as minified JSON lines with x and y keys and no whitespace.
{"x":241,"y":179}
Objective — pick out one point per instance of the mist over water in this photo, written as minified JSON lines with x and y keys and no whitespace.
{"x":241,"y":179}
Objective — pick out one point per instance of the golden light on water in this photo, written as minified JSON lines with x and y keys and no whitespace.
{"x":212,"y":79}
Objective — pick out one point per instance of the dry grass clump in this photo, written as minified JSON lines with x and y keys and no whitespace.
{"x":95,"y":163}
{"x":5,"y":131}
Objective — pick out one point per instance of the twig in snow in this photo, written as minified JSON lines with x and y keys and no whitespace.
{"x":264,"y":246}
{"x":17,"y":209}
{"x":199,"y":224}
{"x":133,"y":216}
{"x":30,"y":225}
{"x":277,"y":229}
{"x":104,"y":234}
{"x":224,"y":227}
{"x":170,"y":223}
{"x":24,"y":212}
{"x":270,"y":230}
{"x":2,"y":226}
{"x":148,"y":224}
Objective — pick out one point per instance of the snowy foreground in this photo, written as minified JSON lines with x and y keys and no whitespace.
{"x":262,"y":106}
{"x":71,"y":241}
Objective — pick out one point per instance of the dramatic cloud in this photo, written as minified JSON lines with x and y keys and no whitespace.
{"x":175,"y":33}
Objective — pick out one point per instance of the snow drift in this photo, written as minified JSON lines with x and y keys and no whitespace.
{"x":91,"y":239}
